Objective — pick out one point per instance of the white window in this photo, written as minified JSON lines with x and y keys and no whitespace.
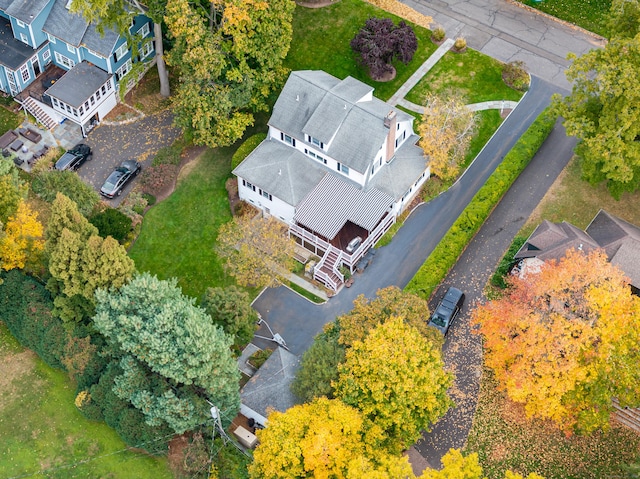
{"x":121,"y":51}
{"x":64,"y":61}
{"x":144,"y":30}
{"x":98,"y":95}
{"x":55,"y":101}
{"x":20,"y":23}
{"x":314,"y":155}
{"x":316,"y":142}
{"x":24,"y":73}
{"x":46,"y":55}
{"x":266,"y":195}
{"x":51,"y":38}
{"x":71,"y":48}
{"x":249,"y":185}
{"x":109,"y":84}
{"x":288,"y":139}
{"x":95,"y":54}
{"x":146,"y":49}
{"x":24,"y":38}
{"x":124,"y":69}
{"x":344,"y":169}
{"x":93,"y":100}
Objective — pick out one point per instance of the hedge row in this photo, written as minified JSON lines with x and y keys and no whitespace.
{"x":445,"y":255}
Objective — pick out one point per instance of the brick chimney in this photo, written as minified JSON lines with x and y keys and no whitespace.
{"x":390,"y":122}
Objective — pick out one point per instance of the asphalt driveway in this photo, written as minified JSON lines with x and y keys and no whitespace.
{"x":112,"y":144}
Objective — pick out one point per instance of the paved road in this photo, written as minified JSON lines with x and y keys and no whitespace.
{"x":298,"y":320}
{"x":508,"y":32}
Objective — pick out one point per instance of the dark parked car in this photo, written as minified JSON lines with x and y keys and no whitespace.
{"x":73,"y":158}
{"x":121,"y":175}
{"x":447,"y":309}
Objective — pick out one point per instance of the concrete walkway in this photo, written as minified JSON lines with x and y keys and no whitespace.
{"x":420,"y":72}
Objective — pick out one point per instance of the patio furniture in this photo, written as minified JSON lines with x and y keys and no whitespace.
{"x":6,"y":153}
{"x":18,"y":161}
{"x":30,"y":134}
{"x":16,"y":145}
{"x":8,"y":138}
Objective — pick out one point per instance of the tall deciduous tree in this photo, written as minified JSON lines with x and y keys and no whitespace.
{"x":564,"y":341}
{"x":601,"y":109}
{"x":395,"y":377}
{"x":22,"y":240}
{"x":230,"y":308}
{"x":257,"y":252}
{"x":173,"y":359}
{"x":380,"y":42}
{"x":117,"y":15}
{"x":324,"y":438}
{"x":445,"y":133}
{"x":229,"y":61}
{"x":12,"y":191}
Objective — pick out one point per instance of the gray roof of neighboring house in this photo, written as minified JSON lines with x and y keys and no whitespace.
{"x":102,"y":44}
{"x":78,"y":84}
{"x":621,"y":242}
{"x":552,"y":240}
{"x":281,"y":170}
{"x":335,"y":201}
{"x":4,"y":4}
{"x":13,"y":53}
{"x":337,"y":111}
{"x":268,"y":389}
{"x":68,"y":27}
{"x":397,"y":177}
{"x":25,"y":10}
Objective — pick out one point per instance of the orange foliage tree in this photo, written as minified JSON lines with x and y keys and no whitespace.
{"x":564,"y":342}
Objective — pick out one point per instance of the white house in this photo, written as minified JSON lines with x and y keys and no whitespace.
{"x":337,"y":164}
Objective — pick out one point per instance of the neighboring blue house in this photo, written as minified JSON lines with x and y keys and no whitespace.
{"x":59,"y":67}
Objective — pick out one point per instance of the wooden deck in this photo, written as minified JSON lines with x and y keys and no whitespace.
{"x":42,"y":82}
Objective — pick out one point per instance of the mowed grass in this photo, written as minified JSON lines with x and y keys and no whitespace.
{"x":473,"y":76}
{"x":178,"y":235}
{"x":44,"y":435}
{"x":505,"y":440}
{"x":8,"y":120}
{"x":322,"y":36}
{"x":588,"y":14}
{"x":576,"y":201}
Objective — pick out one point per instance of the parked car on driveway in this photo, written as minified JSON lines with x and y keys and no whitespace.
{"x":116,"y":181}
{"x":74,"y":158}
{"x":447,"y":309}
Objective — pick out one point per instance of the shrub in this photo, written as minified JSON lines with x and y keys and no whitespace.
{"x":258,"y":358}
{"x":47,"y":161}
{"x":515,"y":75}
{"x":438,"y":34}
{"x":48,"y":184}
{"x":112,"y":222}
{"x":380,"y":42}
{"x":460,"y":44}
{"x":498,"y":278}
{"x":247,"y":147}
{"x":151,"y":200}
{"x":156,"y":179}
{"x":446,"y":253}
{"x":168,"y":155}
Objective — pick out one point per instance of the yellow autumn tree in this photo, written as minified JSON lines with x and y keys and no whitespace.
{"x":257,"y":252}
{"x":321,"y":439}
{"x":396,"y":379}
{"x":445,"y":134}
{"x":564,"y":341}
{"x":22,"y":240}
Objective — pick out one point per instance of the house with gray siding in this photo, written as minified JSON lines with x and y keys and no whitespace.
{"x":42,"y":42}
{"x":337,"y":164}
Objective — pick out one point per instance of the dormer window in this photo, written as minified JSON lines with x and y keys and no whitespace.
{"x":315,"y":141}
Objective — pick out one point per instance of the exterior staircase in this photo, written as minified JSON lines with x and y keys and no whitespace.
{"x":327,"y":270}
{"x":32,"y":107}
{"x":629,"y":417}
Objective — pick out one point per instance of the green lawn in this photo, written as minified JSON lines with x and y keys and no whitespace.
{"x":588,"y":14}
{"x":42,"y":430}
{"x":472,"y":75}
{"x":178,"y":235}
{"x":8,"y":120}
{"x":504,"y":439}
{"x":321,"y":38}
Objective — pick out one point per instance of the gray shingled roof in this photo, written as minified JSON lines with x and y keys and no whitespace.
{"x":552,"y":240}
{"x":68,"y":27}
{"x":25,"y":10}
{"x":397,"y":177}
{"x":4,"y":4}
{"x":281,"y":170}
{"x":269,"y":387}
{"x":335,"y":201}
{"x":13,"y":53}
{"x":318,"y":104}
{"x":621,"y":242}
{"x":78,"y":84}
{"x":102,"y":44}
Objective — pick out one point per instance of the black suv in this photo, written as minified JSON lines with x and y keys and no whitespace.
{"x":447,"y":310}
{"x":73,"y":158}
{"x":120,"y":176}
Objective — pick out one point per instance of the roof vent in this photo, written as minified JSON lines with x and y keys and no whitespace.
{"x":280,"y":172}
{"x":297,"y":97}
